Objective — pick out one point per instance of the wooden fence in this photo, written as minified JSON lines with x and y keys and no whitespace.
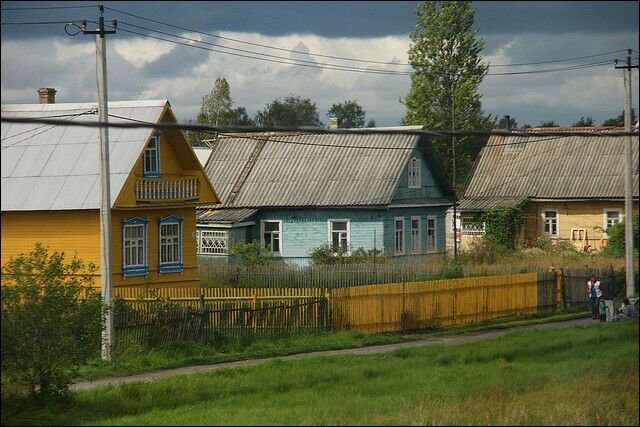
{"x":387,"y":307}
{"x":575,"y":281}
{"x":216,"y":274}
{"x":408,"y":306}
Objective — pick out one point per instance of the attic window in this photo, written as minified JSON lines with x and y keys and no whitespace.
{"x":151,"y":159}
{"x":414,"y":173}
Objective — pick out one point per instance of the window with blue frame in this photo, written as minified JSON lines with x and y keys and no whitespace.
{"x":134,"y":247}
{"x":170,"y":245}
{"x":151,"y":159}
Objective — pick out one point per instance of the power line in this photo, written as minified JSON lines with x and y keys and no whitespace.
{"x":243,"y":129}
{"x":52,"y":126}
{"x":48,"y":7}
{"x":334,"y":56}
{"x":355,"y":69}
{"x":42,"y":22}
{"x":257,"y":53}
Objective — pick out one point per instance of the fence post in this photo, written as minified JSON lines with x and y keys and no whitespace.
{"x":255,"y":312}
{"x":328,"y":313}
{"x":185,"y":320}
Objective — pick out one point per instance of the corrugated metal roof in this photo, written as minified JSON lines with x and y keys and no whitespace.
{"x":54,"y":167}
{"x":311,"y":169}
{"x":513,"y":168}
{"x":224,"y":215}
{"x":203,"y":154}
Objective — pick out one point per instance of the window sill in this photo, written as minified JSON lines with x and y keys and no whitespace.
{"x":170,"y":268}
{"x":134,"y":272}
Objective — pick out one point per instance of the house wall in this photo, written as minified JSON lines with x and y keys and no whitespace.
{"x":580,"y":214}
{"x":78,"y":232}
{"x":304,"y":230}
{"x":429,"y":186}
{"x":71,"y":232}
{"x":189,"y":275}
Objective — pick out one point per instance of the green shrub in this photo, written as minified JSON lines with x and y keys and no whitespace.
{"x":250,"y":254}
{"x":502,"y":226}
{"x":51,"y":320}
{"x":616,"y":233}
{"x":324,"y":255}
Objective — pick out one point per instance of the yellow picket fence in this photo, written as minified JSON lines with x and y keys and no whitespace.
{"x":388,"y":307}
{"x":407,"y":306}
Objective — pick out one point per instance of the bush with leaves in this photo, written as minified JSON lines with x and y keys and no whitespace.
{"x":616,"y":244}
{"x":502,"y":226}
{"x":51,"y":320}
{"x":250,"y":254}
{"x":325,"y":255}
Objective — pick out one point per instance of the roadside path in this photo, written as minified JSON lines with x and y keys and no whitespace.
{"x":469,"y":337}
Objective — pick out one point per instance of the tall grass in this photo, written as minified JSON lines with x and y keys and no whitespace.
{"x":532,"y":377}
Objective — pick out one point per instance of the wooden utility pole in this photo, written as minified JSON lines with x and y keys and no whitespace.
{"x":628,"y":182}
{"x":105,"y":205}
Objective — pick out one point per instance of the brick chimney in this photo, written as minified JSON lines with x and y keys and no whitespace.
{"x":333,"y":123}
{"x":47,"y":95}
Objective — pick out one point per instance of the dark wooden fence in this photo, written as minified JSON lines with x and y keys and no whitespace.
{"x":151,"y":323}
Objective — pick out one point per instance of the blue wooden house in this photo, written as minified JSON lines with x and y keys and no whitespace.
{"x":294,"y":192}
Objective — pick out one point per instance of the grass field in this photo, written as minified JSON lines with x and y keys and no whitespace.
{"x":139,"y":360}
{"x":533,"y":377}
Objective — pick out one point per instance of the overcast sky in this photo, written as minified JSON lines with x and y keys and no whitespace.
{"x":36,"y":56}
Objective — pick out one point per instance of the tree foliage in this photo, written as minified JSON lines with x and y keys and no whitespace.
{"x":349,"y":114}
{"x":616,"y":243}
{"x":250,"y":254}
{"x":324,"y":255}
{"x":217,"y":110}
{"x":549,"y":124}
{"x":51,"y":320}
{"x":447,"y":72}
{"x":584,"y":122}
{"x":502,"y":226}
{"x":619,"y":120}
{"x":291,"y":111}
{"x":503,"y":123}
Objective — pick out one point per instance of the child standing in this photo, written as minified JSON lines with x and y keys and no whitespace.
{"x":602,"y":309}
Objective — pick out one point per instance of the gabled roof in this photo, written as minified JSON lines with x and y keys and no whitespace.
{"x":514,"y":168}
{"x":305,"y":170}
{"x":51,"y":167}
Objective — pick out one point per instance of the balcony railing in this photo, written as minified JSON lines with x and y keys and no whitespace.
{"x":159,"y":189}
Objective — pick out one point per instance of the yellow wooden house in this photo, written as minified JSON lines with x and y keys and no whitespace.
{"x":572,"y":187}
{"x":51,"y":191}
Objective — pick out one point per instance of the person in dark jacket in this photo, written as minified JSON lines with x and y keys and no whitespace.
{"x":593,"y":293}
{"x":609,"y":294}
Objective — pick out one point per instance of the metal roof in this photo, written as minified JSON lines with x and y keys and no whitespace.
{"x":54,"y":167}
{"x":513,"y":168}
{"x":313,"y":169}
{"x":224,"y":215}
{"x":203,"y":154}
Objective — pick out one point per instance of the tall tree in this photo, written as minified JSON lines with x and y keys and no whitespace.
{"x":584,"y":122}
{"x":216,"y":109}
{"x":291,"y":111}
{"x":619,"y":121}
{"x":447,"y":72}
{"x":349,"y":114}
{"x":503,"y":123}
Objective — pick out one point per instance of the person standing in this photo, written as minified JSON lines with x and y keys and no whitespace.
{"x":608,"y":288}
{"x":593,"y":293}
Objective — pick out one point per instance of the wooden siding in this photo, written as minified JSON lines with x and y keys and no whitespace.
{"x":71,"y":232}
{"x":304,"y":230}
{"x":588,"y":215}
{"x":175,"y":162}
{"x":188,"y":277}
{"x":406,"y":306}
{"x":429,"y":185}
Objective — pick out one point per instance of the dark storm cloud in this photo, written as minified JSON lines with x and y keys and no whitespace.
{"x":180,"y":61}
{"x":336,"y":19}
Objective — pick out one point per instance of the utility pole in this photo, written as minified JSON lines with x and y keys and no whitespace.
{"x":105,"y":205}
{"x":453,"y":148}
{"x":628,"y":183}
